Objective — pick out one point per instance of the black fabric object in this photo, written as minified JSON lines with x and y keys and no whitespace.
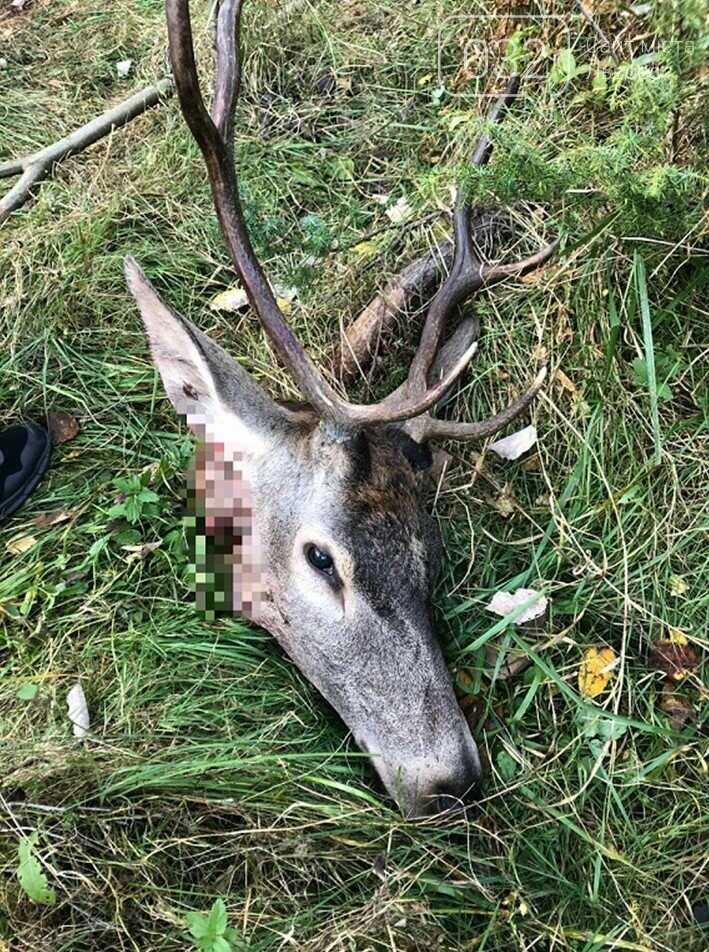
{"x":25,"y":450}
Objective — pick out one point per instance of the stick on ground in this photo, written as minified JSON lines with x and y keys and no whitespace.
{"x":38,"y":165}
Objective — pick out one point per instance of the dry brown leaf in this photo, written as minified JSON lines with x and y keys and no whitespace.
{"x":514,"y":662}
{"x":675,"y":659}
{"x":53,"y":518}
{"x":62,"y":427}
{"x":532,"y":464}
{"x":565,"y":382}
{"x":677,"y":708}
{"x":596,"y":671}
{"x":380,"y":864}
{"x":470,"y":704}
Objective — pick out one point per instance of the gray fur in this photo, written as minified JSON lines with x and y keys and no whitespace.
{"x":363,"y":637}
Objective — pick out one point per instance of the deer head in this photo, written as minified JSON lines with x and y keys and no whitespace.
{"x":321,"y":511}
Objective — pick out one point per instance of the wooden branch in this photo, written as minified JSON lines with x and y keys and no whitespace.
{"x":362,"y":338}
{"x":38,"y":165}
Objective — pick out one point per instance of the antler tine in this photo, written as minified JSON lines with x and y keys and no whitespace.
{"x":432,"y":429}
{"x":228,"y":72}
{"x":468,"y":273}
{"x":215,"y":137}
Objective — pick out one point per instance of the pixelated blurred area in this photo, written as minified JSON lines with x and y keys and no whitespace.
{"x":226,"y":568}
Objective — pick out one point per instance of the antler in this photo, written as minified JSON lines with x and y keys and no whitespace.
{"x":468,"y":274}
{"x":214,"y":133}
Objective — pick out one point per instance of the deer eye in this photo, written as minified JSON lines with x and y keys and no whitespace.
{"x":322,"y":561}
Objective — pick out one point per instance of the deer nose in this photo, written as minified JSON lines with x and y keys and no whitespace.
{"x":450,"y":796}
{"x":449,"y":802}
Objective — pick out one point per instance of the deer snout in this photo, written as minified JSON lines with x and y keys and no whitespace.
{"x":454,"y":794}
{"x":447,"y":784}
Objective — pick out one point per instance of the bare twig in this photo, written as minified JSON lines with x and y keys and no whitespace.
{"x":38,"y":165}
{"x":598,"y":31}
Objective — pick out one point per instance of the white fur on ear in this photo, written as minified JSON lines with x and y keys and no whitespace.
{"x":188,"y":380}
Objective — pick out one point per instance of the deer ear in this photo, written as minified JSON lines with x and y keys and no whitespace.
{"x":217,"y":396}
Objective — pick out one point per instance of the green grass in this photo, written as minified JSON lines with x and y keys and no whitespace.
{"x":213,"y":769}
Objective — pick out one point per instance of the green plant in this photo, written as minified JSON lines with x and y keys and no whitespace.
{"x":31,"y":875}
{"x":210,"y":931}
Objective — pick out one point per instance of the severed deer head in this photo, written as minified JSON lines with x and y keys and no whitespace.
{"x":321,"y":511}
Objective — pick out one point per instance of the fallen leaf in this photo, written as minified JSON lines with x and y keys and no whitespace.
{"x":565,"y":382}
{"x":76,"y":576}
{"x":596,"y":671}
{"x":380,"y":864}
{"x":505,"y":503}
{"x":235,"y":299}
{"x":399,"y":211}
{"x":53,"y":518}
{"x":512,"y":664}
{"x":470,"y":704}
{"x":533,"y":465}
{"x":365,"y":249}
{"x":78,"y":711}
{"x":676,"y":660}
{"x":285,"y":292}
{"x":506,"y":765}
{"x":20,"y":544}
{"x":512,"y":446}
{"x":62,"y":427}
{"x":141,"y":551}
{"x":677,"y":708}
{"x":504,"y":603}
{"x":30,"y":874}
{"x":231,"y":300}
{"x":600,"y":728}
{"x":28,"y":691}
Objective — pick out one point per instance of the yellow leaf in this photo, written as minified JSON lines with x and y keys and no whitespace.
{"x":20,"y":544}
{"x":677,"y":636}
{"x":565,"y":382}
{"x":458,"y":118}
{"x":596,"y":671}
{"x":233,"y":299}
{"x":366,"y":249}
{"x":284,"y":305}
